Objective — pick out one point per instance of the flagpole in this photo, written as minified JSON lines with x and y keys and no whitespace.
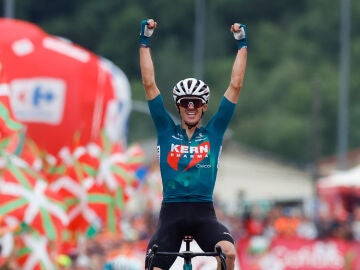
{"x":9,"y":8}
{"x":199,"y":38}
{"x":343,"y":114}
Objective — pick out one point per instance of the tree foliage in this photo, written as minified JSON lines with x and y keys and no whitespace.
{"x":293,"y":51}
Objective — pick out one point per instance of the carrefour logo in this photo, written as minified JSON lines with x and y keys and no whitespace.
{"x":42,"y":96}
{"x":38,"y":99}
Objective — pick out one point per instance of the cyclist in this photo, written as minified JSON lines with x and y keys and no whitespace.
{"x":188,"y":154}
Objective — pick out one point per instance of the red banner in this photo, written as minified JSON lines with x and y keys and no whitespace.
{"x":257,"y":253}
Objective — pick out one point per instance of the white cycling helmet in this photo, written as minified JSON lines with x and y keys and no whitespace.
{"x":190,"y":88}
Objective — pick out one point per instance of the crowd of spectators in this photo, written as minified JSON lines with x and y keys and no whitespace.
{"x":277,"y":221}
{"x":284,"y":221}
{"x":249,"y":220}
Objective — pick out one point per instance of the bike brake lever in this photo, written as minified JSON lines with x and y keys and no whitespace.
{"x":154,"y":248}
{"x":222,"y":256}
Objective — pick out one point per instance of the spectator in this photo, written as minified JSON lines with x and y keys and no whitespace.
{"x":64,"y":262}
{"x":287,"y":224}
{"x":83,"y":262}
{"x":253,"y":222}
{"x":325,"y":224}
{"x":269,"y":228}
{"x":306,"y":228}
{"x":342,"y":230}
{"x":355,"y":227}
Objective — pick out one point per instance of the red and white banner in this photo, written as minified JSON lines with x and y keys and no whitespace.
{"x":297,"y":254}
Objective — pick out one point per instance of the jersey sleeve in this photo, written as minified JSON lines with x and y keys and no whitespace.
{"x":159,"y":115}
{"x":221,"y":119}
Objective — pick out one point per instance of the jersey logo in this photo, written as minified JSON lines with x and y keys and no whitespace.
{"x":194,"y":153}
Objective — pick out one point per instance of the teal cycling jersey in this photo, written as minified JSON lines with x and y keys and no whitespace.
{"x":189,"y":166}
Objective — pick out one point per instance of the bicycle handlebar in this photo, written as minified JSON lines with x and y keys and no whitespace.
{"x":188,"y":255}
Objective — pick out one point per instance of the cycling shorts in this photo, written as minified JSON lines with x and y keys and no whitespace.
{"x":176,"y":220}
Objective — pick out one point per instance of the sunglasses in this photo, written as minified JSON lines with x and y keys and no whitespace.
{"x":194,"y":102}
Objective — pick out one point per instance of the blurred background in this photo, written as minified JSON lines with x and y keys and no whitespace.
{"x":294,"y":60}
{"x":295,"y":130}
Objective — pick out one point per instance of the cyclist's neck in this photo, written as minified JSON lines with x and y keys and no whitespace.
{"x":190,"y":130}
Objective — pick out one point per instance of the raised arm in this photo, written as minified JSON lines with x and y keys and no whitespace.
{"x":239,"y":67}
{"x":146,"y":63}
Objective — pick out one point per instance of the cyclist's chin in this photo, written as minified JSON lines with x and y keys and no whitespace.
{"x":191,"y":123}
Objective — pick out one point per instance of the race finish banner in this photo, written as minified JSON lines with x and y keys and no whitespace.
{"x":297,"y":254}
{"x":58,"y":89}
